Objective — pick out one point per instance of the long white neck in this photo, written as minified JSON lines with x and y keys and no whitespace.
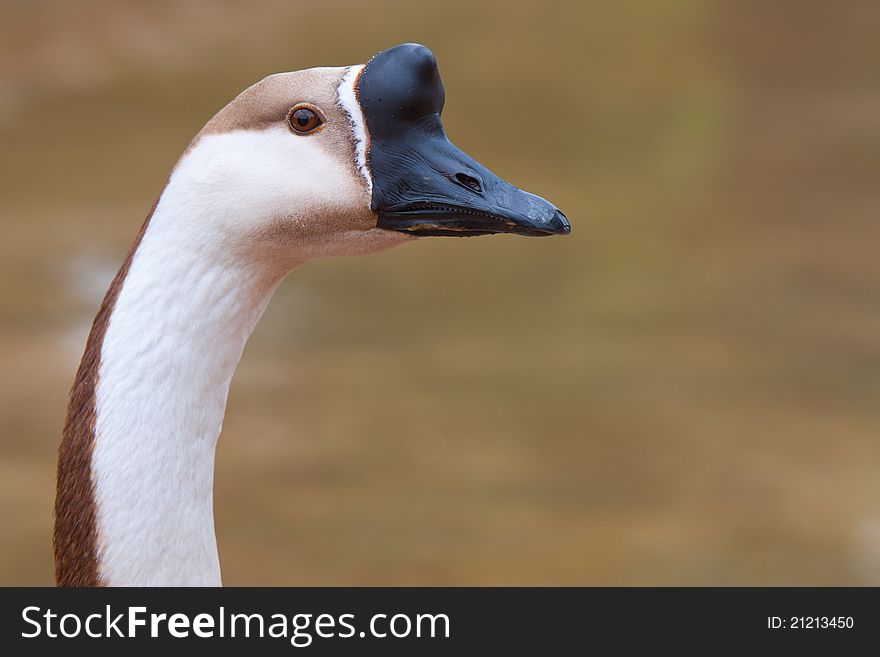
{"x":241,"y":208}
{"x":176,"y":333}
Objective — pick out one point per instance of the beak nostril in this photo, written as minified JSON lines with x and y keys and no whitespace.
{"x":470,"y":182}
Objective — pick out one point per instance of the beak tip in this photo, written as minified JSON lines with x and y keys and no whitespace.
{"x":559,"y":224}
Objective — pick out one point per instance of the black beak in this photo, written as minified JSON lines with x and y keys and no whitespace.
{"x":422,"y":183}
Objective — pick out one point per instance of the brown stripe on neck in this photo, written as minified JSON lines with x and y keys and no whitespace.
{"x":76,"y":531}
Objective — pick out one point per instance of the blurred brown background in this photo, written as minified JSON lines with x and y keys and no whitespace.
{"x":684,"y":391}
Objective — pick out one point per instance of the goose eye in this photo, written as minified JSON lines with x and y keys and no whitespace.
{"x":304,"y":119}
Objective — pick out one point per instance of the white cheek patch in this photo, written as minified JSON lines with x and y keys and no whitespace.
{"x":251,"y":178}
{"x":349,"y":103}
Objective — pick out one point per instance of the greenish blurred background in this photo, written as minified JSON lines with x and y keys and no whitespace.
{"x":684,"y":391}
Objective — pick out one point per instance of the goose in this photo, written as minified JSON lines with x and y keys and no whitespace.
{"x":306,"y":164}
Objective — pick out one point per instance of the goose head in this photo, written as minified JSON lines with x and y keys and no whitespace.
{"x":327,"y":161}
{"x":349,"y":160}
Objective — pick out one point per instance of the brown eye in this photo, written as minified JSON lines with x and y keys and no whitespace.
{"x":304,"y":118}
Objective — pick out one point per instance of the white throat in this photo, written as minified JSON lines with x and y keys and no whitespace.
{"x":177,"y":332}
{"x":178,"y":328}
